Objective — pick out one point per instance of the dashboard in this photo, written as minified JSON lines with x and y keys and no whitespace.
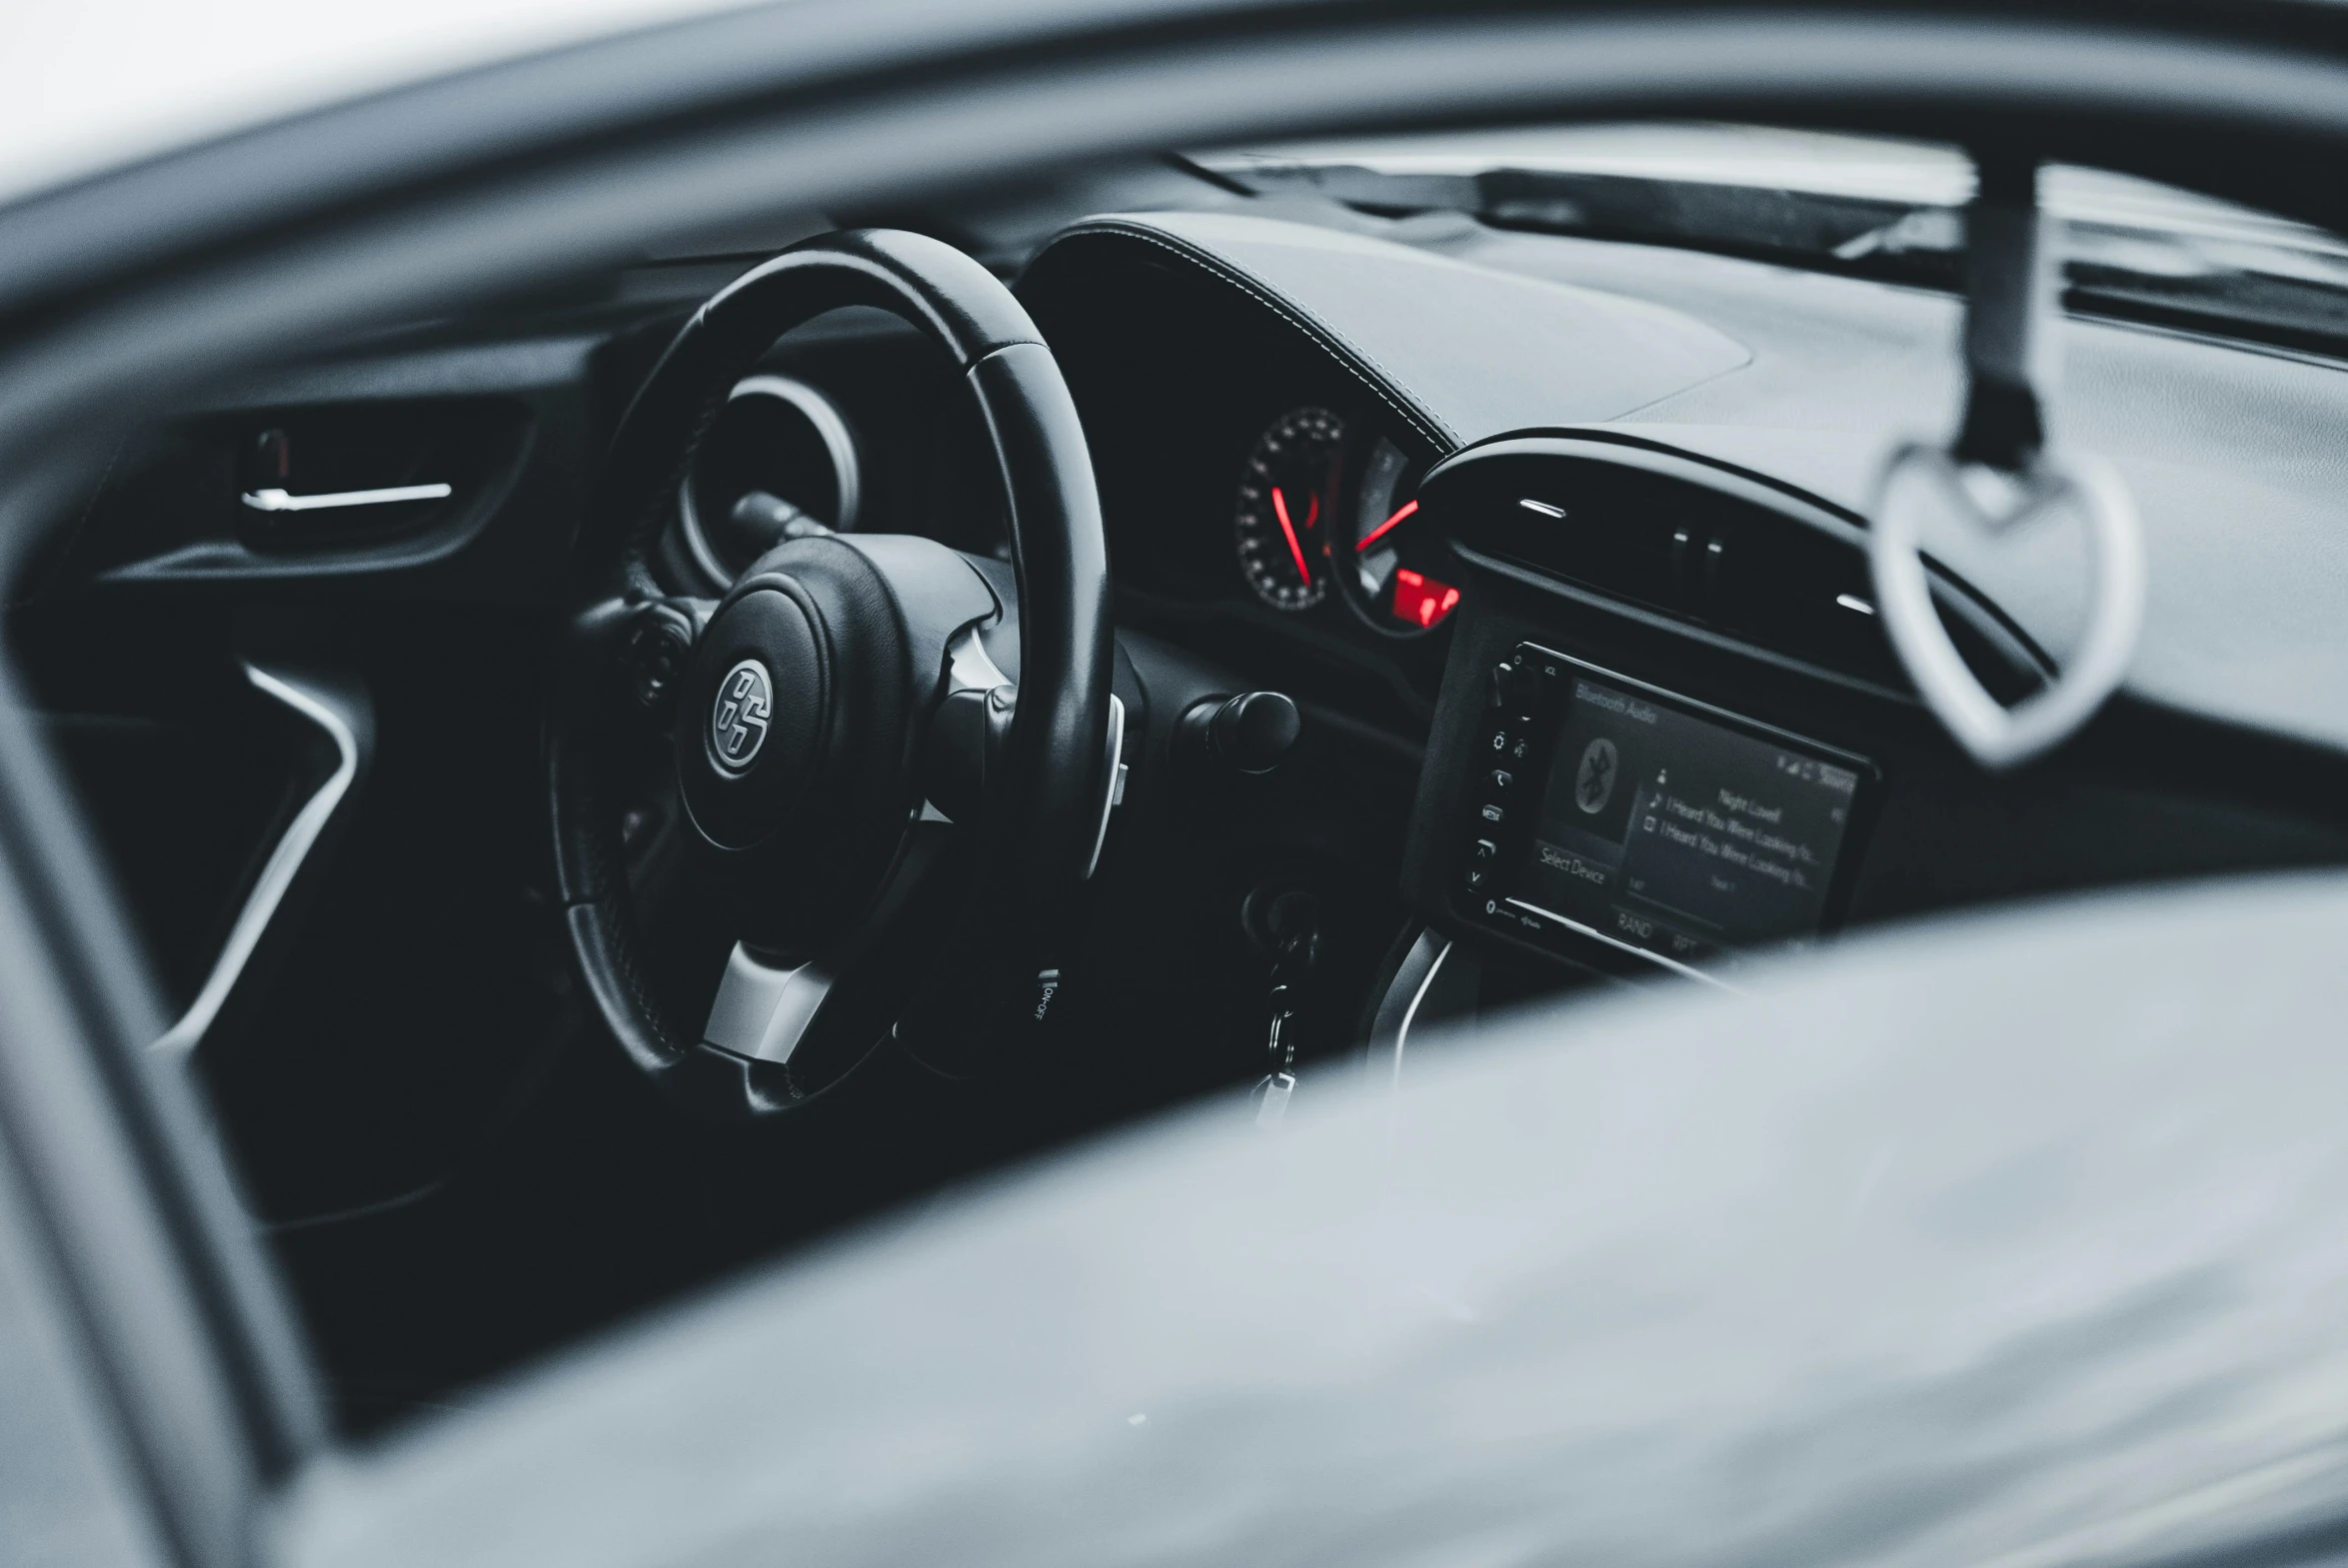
{"x":1558,"y":544}
{"x":1584,"y":549}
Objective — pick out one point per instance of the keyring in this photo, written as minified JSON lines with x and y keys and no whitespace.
{"x":1997,"y":736}
{"x":2009,"y":289}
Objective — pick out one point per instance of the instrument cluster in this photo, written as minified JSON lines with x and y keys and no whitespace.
{"x":1327,"y":509}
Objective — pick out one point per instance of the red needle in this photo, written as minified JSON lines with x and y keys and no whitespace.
{"x":1279,"y":507}
{"x":1379,"y":532}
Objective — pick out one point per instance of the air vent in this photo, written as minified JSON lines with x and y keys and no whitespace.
{"x":1706,"y":547}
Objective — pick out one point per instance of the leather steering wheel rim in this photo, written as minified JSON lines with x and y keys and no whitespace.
{"x":1036,"y":840}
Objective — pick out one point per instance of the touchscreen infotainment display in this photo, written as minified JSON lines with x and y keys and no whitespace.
{"x":1680,"y":833}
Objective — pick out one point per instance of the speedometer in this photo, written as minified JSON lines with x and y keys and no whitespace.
{"x":1288,"y":507}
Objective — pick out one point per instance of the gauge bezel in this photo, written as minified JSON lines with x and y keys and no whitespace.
{"x":831,"y":428}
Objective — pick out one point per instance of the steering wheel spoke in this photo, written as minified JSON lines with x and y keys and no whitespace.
{"x":969,"y":731}
{"x":769,"y":1008}
{"x":764,"y":1008}
{"x":809,"y":1012}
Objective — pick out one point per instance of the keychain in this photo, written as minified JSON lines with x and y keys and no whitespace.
{"x":1295,"y":928}
{"x":2002,"y":475}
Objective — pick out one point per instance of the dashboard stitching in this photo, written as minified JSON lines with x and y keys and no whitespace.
{"x":1385,"y":385}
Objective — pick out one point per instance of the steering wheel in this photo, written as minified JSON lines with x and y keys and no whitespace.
{"x":892,"y":761}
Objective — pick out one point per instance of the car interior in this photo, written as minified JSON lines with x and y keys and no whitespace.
{"x":638,"y":777}
{"x":1422,"y":522}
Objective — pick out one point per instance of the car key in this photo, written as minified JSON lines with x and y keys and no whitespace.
{"x":1295,"y":928}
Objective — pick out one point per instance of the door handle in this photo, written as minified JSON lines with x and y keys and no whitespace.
{"x":280,"y":500}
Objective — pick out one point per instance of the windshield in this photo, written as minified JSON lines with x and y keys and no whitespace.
{"x":1863,"y":205}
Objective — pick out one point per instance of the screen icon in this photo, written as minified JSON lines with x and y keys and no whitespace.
{"x":1593,"y":781}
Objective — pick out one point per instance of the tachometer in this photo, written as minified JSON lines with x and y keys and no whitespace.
{"x":1289,"y":506}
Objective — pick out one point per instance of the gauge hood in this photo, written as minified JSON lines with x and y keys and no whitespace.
{"x":1478,"y":351}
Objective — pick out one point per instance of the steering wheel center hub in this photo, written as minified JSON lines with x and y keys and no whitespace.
{"x":760,"y":702}
{"x":740,"y":717}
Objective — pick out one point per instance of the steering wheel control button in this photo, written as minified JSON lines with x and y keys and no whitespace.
{"x":740,"y":717}
{"x":655,"y":654}
{"x":1513,"y":690}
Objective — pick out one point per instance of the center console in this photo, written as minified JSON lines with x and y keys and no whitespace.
{"x":1671,"y":724}
{"x":1608,"y":810}
{"x":1673,"y":736}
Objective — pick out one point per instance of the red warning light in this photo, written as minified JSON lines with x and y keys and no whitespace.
{"x":1419,"y":600}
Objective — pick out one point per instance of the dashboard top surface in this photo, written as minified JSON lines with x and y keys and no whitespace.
{"x":2231,"y":451}
{"x":1469,"y":350}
